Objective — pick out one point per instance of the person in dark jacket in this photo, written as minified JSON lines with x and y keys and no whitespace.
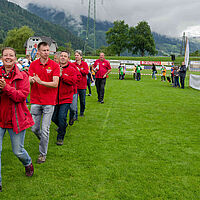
{"x":14,"y":114}
{"x":176,"y":77}
{"x":182,"y":74}
{"x":154,"y":71}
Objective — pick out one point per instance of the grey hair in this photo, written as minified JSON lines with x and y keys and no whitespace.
{"x":79,"y":52}
{"x":57,"y":53}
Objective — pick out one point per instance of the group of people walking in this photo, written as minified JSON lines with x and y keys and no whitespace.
{"x":55,"y":88}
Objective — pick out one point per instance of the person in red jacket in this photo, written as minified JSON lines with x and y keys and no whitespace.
{"x":82,"y":84}
{"x":14,"y":114}
{"x":102,"y":68}
{"x":65,"y":95}
{"x":44,"y":76}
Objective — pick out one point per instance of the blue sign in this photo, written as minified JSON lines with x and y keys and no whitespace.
{"x":33,"y":53}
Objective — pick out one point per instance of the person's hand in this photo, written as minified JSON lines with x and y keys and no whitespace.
{"x":104,"y":76}
{"x":32,"y":80}
{"x":2,"y":83}
{"x":37,"y":79}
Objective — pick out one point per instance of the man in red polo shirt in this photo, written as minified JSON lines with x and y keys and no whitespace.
{"x":65,"y":95}
{"x":44,"y":76}
{"x":82,"y":84}
{"x":102,"y":68}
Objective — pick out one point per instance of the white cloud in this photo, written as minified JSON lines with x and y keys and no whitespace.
{"x":164,"y":16}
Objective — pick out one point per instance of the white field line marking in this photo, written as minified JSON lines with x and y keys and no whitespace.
{"x":106,"y":119}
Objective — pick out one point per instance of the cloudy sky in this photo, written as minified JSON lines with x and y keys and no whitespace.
{"x":167,"y":17}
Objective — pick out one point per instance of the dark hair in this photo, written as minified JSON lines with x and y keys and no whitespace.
{"x":42,"y":44}
{"x":8,"y":48}
{"x":66,"y":52}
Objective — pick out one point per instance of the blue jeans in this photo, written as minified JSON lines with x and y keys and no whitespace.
{"x":60,"y":119}
{"x":176,"y":81}
{"x":73,"y":107}
{"x":17,"y":141}
{"x":82,"y":93}
{"x":88,"y":84}
{"x":138,"y":76}
{"x":154,"y":74}
{"x":42,"y":133}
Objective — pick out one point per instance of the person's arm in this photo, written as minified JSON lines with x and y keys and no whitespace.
{"x":70,"y":78}
{"x":31,"y":80}
{"x":17,"y":94}
{"x":104,"y":76}
{"x":85,"y":70}
{"x":31,"y":74}
{"x":53,"y":84}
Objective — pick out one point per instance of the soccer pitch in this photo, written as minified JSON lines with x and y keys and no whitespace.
{"x":143,"y":143}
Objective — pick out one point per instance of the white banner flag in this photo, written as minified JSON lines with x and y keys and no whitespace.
{"x":187,"y":53}
{"x":194,"y":81}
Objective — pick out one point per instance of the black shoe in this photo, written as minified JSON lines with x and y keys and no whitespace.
{"x":82,"y":115}
{"x":88,"y":94}
{"x":59,"y":142}
{"x":101,"y":101}
{"x":0,"y":188}
{"x":71,"y":122}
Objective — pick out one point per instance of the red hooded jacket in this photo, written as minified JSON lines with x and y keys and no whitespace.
{"x":79,"y":76}
{"x":17,"y":91}
{"x":66,"y":85}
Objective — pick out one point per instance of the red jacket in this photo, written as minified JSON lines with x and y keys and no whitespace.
{"x":78,"y":74}
{"x":83,"y":67}
{"x":17,"y":91}
{"x":66,"y":85}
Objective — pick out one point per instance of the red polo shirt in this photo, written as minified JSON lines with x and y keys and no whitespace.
{"x":40,"y":94}
{"x":104,"y":66}
{"x":83,"y":67}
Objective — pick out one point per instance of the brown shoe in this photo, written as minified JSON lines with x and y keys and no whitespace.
{"x":29,"y":170}
{"x":41,"y":159}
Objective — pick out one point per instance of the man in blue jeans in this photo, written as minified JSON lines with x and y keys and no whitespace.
{"x":44,"y":76}
{"x":65,"y":95}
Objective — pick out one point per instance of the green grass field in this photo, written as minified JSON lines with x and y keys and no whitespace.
{"x":143,"y":143}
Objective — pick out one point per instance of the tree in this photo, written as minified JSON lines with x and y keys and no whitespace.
{"x":141,"y":39}
{"x":107,"y":50}
{"x":17,"y":37}
{"x":117,"y":37}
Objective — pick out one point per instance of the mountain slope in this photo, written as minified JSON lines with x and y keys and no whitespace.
{"x":164,"y":44}
{"x":69,"y":22}
{"x":169,"y":45}
{"x":13,"y":16}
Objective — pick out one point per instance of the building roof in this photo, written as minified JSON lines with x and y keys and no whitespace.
{"x":44,"y":39}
